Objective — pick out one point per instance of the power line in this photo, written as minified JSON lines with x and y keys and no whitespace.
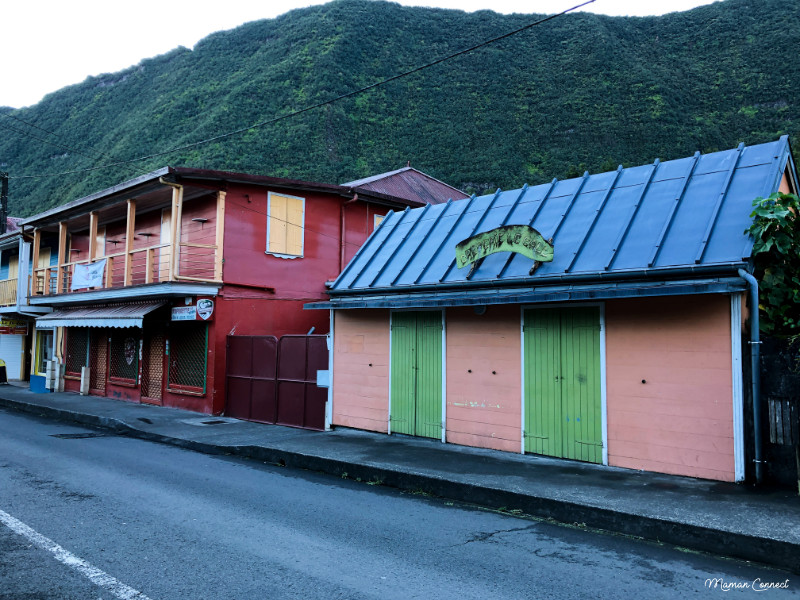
{"x":314,"y":106}
{"x":62,"y":146}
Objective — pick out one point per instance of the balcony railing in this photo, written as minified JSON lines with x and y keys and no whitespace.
{"x":196,"y":262}
{"x":8,"y":292}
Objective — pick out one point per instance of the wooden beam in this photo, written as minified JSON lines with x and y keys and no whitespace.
{"x":220,"y":237}
{"x":62,"y":251}
{"x":129,"y":233}
{"x":175,"y":231}
{"x":37,"y":242}
{"x":109,"y":271}
{"x":93,"y":218}
{"x":148,"y":265}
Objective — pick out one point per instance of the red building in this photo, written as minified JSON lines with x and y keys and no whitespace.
{"x":152,"y":275}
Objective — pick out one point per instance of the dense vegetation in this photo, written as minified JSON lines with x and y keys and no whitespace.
{"x":776,"y":232}
{"x":580,"y":92}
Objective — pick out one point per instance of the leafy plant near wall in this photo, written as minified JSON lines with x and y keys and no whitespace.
{"x":776,"y":230}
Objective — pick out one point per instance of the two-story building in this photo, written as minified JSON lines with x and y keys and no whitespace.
{"x":148,"y":278}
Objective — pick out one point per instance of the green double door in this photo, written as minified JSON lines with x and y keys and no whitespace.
{"x":562,"y":379}
{"x":416,"y":380}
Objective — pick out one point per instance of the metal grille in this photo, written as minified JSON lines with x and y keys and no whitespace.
{"x":99,"y":359}
{"x":187,"y":357}
{"x":77,"y":350}
{"x":153,"y":365}
{"x":124,"y":363}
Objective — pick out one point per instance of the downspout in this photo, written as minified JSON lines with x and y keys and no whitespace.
{"x":342,"y":230}
{"x":755,"y":366}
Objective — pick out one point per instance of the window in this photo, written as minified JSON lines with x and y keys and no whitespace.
{"x":377,"y":220}
{"x":44,"y":350}
{"x":285,"y":223}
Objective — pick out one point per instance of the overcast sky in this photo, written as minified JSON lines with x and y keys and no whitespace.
{"x":48,"y":44}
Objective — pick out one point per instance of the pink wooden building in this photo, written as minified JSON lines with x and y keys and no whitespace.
{"x":627,"y":349}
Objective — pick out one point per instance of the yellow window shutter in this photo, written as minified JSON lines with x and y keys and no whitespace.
{"x":44,"y":258}
{"x":277,"y":224}
{"x":294,"y":233}
{"x":13,"y":267}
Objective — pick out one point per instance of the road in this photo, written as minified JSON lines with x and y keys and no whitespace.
{"x":85,"y":514}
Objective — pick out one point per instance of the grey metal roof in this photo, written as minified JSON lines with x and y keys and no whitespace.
{"x":664,"y":220}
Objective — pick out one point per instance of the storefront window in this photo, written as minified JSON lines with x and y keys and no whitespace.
{"x":44,"y":350}
{"x":188,"y":349}
{"x":124,"y":356}
{"x":77,"y":350}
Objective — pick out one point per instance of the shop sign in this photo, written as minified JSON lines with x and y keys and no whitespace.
{"x":522,"y":239}
{"x":205,"y":308}
{"x":184,"y":313}
{"x":13,"y":327}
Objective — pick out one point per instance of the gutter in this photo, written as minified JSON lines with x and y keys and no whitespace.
{"x":755,"y":364}
{"x":719,"y":268}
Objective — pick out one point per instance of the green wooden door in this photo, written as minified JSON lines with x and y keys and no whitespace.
{"x":416,"y":385}
{"x":562,"y":383}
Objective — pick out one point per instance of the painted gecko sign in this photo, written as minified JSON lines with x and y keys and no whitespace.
{"x":510,"y":238}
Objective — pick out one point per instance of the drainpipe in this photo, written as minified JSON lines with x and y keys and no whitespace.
{"x":755,"y":367}
{"x":341,"y":230}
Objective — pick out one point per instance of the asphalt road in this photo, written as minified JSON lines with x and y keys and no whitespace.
{"x":84,"y":514}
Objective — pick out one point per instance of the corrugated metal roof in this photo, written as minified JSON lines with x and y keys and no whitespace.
{"x":120,"y":315}
{"x":656,"y":220}
{"x":409,"y":183}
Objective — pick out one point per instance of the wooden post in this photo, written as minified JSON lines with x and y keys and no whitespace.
{"x":131,"y":222}
{"x":37,"y":241}
{"x":62,"y":251}
{"x":92,"y":236}
{"x":46,"y":284}
{"x":148,"y":265}
{"x":220,"y":237}
{"x":109,"y":271}
{"x":175,"y":231}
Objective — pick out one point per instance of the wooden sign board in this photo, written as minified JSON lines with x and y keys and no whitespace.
{"x":522,"y":239}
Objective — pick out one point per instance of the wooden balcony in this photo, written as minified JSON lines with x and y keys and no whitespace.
{"x":8,"y":292}
{"x":137,"y":264}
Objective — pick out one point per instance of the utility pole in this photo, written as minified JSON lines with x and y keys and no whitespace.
{"x":3,"y":202}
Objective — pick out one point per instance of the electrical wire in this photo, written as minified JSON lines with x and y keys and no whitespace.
{"x":313,"y":106}
{"x":62,"y":146}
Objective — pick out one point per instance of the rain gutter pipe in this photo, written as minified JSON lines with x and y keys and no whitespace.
{"x":540,"y":281}
{"x":755,"y":360}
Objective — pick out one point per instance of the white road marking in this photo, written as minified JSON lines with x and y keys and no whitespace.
{"x":95,"y":575}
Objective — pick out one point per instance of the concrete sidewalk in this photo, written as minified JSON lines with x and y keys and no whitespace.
{"x":720,"y":518}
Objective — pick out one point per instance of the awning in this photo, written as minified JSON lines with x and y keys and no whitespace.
{"x":120,"y":315}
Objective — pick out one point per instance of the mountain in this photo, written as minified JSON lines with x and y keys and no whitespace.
{"x":581,"y":91}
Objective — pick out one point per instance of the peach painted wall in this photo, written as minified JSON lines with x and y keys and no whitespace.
{"x":483,"y":406}
{"x":681,"y":420}
{"x":361,"y":391}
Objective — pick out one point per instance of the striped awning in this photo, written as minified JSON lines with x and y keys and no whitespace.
{"x":119,"y":315}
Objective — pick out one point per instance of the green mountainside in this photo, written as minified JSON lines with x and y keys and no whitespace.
{"x":579,"y":92}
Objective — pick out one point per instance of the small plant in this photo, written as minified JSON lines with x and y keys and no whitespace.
{"x":776,"y":251}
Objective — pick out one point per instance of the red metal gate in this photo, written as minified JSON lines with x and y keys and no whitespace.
{"x":271,"y":380}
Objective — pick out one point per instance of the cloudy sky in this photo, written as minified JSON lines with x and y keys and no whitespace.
{"x":49,"y":44}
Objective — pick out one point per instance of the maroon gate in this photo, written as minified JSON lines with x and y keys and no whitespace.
{"x":271,"y":380}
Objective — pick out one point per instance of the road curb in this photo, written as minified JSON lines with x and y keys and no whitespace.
{"x":776,"y":553}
